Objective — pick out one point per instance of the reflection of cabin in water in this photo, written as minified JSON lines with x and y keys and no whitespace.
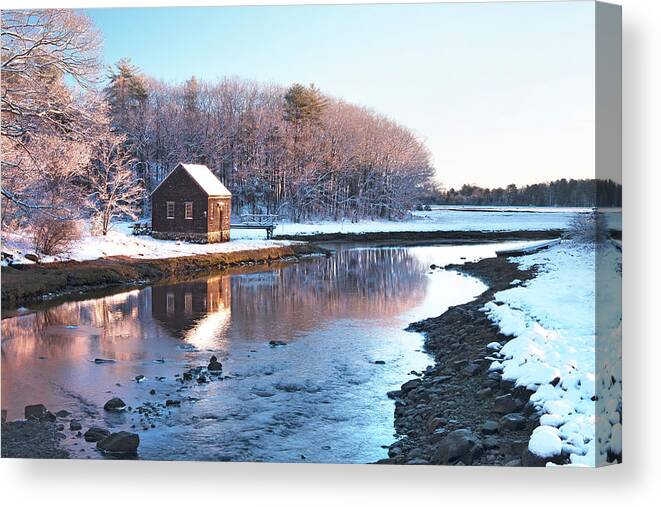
{"x":178,"y":307}
{"x":191,"y":204}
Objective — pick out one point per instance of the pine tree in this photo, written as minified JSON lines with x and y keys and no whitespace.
{"x":304,"y":104}
{"x":191,"y":96}
{"x":127,"y":90}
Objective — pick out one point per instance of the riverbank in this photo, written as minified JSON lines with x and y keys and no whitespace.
{"x":458,"y":412}
{"x":27,"y":283}
{"x":525,"y":374}
{"x":32,"y":439}
{"x":438,"y":237}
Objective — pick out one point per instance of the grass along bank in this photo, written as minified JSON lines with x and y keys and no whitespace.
{"x":25,"y":283}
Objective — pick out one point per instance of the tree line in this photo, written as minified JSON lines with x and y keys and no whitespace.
{"x":78,"y":143}
{"x":562,"y":192}
{"x":290,"y":151}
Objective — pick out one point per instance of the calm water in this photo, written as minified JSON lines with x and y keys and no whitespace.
{"x":319,"y":398}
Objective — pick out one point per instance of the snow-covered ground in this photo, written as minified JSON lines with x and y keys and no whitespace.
{"x":120,"y":241}
{"x":448,"y":218}
{"x":441,"y":220}
{"x":566,"y":325}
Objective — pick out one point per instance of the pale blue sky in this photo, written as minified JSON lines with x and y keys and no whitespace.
{"x":499,"y":92}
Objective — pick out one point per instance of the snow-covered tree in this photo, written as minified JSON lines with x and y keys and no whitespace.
{"x":114,"y":189}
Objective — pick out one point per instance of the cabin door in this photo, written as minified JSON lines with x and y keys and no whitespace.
{"x":220,"y":220}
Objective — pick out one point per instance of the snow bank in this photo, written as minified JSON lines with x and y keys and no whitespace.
{"x":120,"y":241}
{"x":556,"y":327}
{"x":443,"y":219}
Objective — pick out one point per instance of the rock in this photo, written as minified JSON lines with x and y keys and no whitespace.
{"x":393,"y":394}
{"x":277,"y":343}
{"x":483,"y":394}
{"x":38,"y":413}
{"x":438,"y":435}
{"x":410,"y":385}
{"x":417,"y":461}
{"x":172,"y":403}
{"x":459,"y":445}
{"x":115,"y":405}
{"x":94,"y":434}
{"x":152,"y":391}
{"x":100,"y":360}
{"x":202,"y":379}
{"x":394,"y":451}
{"x":507,"y":403}
{"x":490,"y":442}
{"x":139,"y":378}
{"x":530,"y":459}
{"x":489,"y":427}
{"x":434,"y":423}
{"x":441,"y":378}
{"x":458,"y":365}
{"x":122,"y":442}
{"x":514,"y":447}
{"x":32,"y":257}
{"x":214,"y":365}
{"x":187,"y":376}
{"x":471,"y":370}
{"x":433,"y":266}
{"x":512,"y":422}
{"x":75,"y":425}
{"x":379,"y":361}
{"x":62,"y":413}
{"x":516,"y":462}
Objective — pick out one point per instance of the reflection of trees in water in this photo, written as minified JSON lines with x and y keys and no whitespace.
{"x":355,"y":284}
{"x":359,"y":284}
{"x":99,"y":325}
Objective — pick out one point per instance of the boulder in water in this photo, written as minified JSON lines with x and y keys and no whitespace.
{"x":115,"y":405}
{"x":38,"y":413}
{"x":94,"y":434}
{"x":120,"y":443}
{"x":215,"y":366}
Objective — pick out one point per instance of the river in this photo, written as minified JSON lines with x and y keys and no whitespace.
{"x":320,"y":397}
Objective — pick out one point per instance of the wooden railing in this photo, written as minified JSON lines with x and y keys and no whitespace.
{"x":259,"y":219}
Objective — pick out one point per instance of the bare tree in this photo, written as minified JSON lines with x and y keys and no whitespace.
{"x":115,"y":191}
{"x":289,"y":151}
{"x":40,"y":48}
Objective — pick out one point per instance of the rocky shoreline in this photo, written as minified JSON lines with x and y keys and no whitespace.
{"x":37,"y":282}
{"x":457,"y":412}
{"x":38,"y":439}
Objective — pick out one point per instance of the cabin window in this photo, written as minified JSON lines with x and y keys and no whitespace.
{"x":170,"y":209}
{"x":188,"y":303}
{"x":211,"y":208}
{"x":169,"y":303}
{"x":188,"y":214}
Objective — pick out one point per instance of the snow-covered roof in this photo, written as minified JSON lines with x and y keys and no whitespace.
{"x":203,"y":176}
